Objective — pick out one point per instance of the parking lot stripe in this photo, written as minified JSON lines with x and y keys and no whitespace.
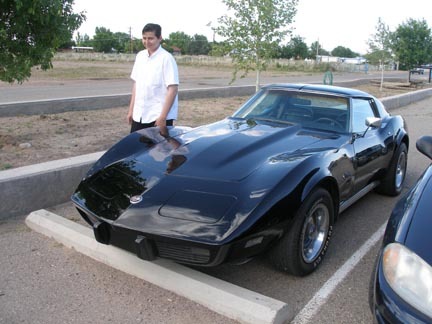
{"x":320,"y":297}
{"x":220,"y":296}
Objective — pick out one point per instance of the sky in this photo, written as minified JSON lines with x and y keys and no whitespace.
{"x":332,"y":23}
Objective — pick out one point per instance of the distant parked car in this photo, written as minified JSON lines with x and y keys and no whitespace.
{"x":401,"y":290}
{"x":417,"y":71}
{"x":273,"y":177}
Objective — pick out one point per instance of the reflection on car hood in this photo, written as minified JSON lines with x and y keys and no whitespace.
{"x":230,"y":150}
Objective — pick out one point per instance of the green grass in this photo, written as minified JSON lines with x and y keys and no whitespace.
{"x":5,"y":166}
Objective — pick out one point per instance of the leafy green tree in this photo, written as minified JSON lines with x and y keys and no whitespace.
{"x":83,"y":40}
{"x":254,"y":31}
{"x":137,"y":45}
{"x":412,"y":43}
{"x":104,"y":40}
{"x":219,"y":49}
{"x":341,"y":51}
{"x":199,"y":45}
{"x":316,"y":49}
{"x":30,"y":33}
{"x":285,"y":52}
{"x":380,"y":47}
{"x":299,"y":48}
{"x":67,"y":44}
{"x":180,"y":40}
{"x":123,"y":42}
{"x":296,"y":48}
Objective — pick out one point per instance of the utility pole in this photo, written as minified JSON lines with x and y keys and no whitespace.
{"x":130,"y":39}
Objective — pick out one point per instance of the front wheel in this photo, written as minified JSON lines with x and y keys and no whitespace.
{"x":301,"y":250}
{"x":392,"y":184}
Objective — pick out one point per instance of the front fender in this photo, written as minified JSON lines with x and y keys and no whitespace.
{"x":282,"y":201}
{"x":128,"y":146}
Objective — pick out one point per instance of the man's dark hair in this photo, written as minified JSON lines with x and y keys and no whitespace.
{"x":157,"y":29}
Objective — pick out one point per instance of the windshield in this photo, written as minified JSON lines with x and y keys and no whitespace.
{"x":311,"y":110}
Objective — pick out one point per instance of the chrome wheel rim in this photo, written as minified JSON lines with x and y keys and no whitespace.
{"x":400,"y":170}
{"x":314,"y":232}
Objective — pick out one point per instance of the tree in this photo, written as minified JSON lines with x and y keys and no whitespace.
{"x":380,"y":47}
{"x":341,"y":51}
{"x":180,"y":40}
{"x":122,"y":43}
{"x":83,"y":40}
{"x":285,"y":52}
{"x":30,"y":33}
{"x":316,"y":49}
{"x":199,"y":45}
{"x":299,"y":48}
{"x":137,"y":45}
{"x":296,"y":49}
{"x":252,"y":35}
{"x":104,"y":40}
{"x":412,"y":43}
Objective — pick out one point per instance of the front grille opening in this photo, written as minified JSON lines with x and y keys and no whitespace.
{"x":187,"y":254}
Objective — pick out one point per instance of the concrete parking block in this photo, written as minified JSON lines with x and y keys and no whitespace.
{"x":222,"y":297}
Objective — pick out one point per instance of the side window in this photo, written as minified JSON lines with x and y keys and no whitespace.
{"x":361,"y":109}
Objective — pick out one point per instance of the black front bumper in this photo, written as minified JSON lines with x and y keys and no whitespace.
{"x":148,"y":246}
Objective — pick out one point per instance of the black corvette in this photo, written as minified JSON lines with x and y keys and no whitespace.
{"x":401,"y":290}
{"x":272,"y":177}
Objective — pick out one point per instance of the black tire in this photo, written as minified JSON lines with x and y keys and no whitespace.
{"x":301,"y":250}
{"x":393,"y":181}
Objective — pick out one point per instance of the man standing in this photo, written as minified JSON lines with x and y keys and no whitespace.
{"x":154,"y":100}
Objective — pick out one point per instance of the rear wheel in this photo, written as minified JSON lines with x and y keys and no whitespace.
{"x":393,"y":181}
{"x":301,"y":250}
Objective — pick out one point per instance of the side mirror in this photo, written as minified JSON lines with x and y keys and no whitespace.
{"x":373,"y":122}
{"x":424,"y":145}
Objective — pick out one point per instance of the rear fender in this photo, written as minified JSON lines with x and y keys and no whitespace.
{"x":397,"y":125}
{"x":399,"y":128}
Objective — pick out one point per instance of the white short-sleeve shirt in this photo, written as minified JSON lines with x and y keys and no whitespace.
{"x":152,"y":75}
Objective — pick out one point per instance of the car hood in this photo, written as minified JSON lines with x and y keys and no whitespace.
{"x":229,"y":150}
{"x":416,"y":234}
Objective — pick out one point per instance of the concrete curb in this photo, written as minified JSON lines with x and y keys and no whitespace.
{"x":42,"y":185}
{"x":55,"y":106}
{"x":48,"y":184}
{"x":222,"y":297}
{"x":406,"y":99}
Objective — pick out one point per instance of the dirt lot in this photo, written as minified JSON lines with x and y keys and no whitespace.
{"x":26,"y":140}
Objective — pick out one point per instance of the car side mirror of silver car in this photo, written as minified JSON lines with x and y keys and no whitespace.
{"x":424,"y":146}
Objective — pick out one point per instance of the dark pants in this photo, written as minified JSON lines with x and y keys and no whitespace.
{"x":137,"y":126}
